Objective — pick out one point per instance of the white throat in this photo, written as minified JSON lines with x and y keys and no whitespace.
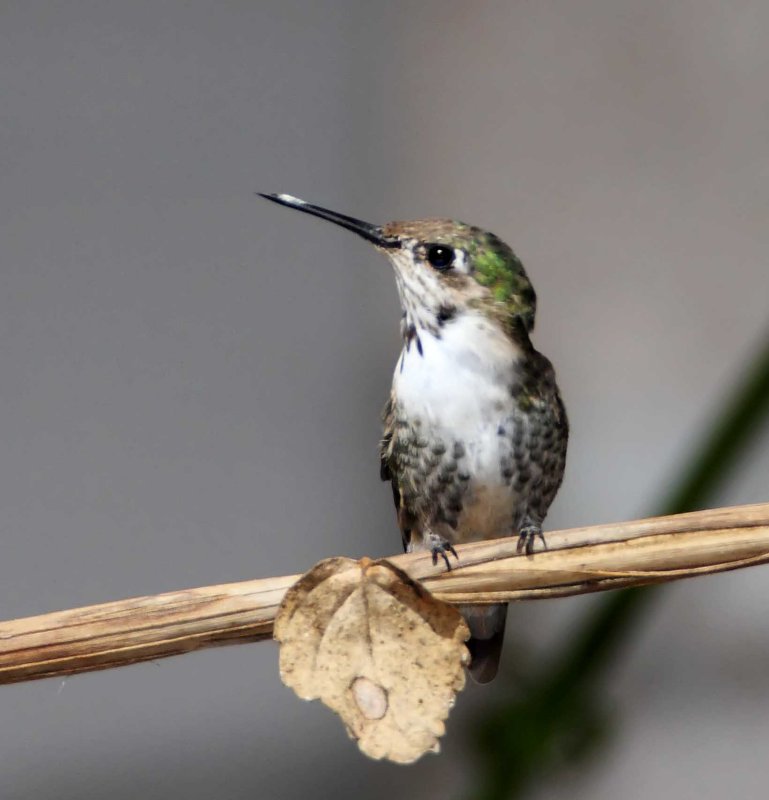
{"x":459,"y":377}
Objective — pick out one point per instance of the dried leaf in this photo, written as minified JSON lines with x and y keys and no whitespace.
{"x":378,"y":649}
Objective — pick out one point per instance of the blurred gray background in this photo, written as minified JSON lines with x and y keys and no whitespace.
{"x":191,"y":378}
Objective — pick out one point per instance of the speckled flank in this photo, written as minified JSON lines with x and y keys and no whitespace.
{"x":433,"y":477}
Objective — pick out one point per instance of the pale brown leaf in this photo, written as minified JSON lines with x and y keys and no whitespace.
{"x":378,"y":649}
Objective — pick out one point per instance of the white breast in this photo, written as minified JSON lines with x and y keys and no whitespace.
{"x":459,"y":388}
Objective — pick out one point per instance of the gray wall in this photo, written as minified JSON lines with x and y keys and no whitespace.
{"x":190,"y":379}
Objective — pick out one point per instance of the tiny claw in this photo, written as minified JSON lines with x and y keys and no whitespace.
{"x":526,"y":538}
{"x":441,"y":549}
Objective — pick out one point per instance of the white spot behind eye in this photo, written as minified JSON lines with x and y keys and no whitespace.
{"x":460,"y":261}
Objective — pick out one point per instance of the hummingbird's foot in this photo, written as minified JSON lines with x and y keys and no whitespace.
{"x":527,"y":536}
{"x":441,"y":547}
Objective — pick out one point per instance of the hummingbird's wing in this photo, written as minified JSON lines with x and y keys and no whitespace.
{"x":387,"y":473}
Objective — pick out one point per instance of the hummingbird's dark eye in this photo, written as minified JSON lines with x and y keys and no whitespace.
{"x":440,"y":256}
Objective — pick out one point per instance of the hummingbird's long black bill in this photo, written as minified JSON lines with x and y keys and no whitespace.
{"x":373,"y":233}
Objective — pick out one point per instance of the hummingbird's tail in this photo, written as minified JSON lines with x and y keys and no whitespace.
{"x":487,"y":632}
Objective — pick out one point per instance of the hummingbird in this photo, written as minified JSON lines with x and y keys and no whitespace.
{"x":475,"y":431}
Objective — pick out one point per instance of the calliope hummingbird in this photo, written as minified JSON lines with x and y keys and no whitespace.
{"x":475,"y":430}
